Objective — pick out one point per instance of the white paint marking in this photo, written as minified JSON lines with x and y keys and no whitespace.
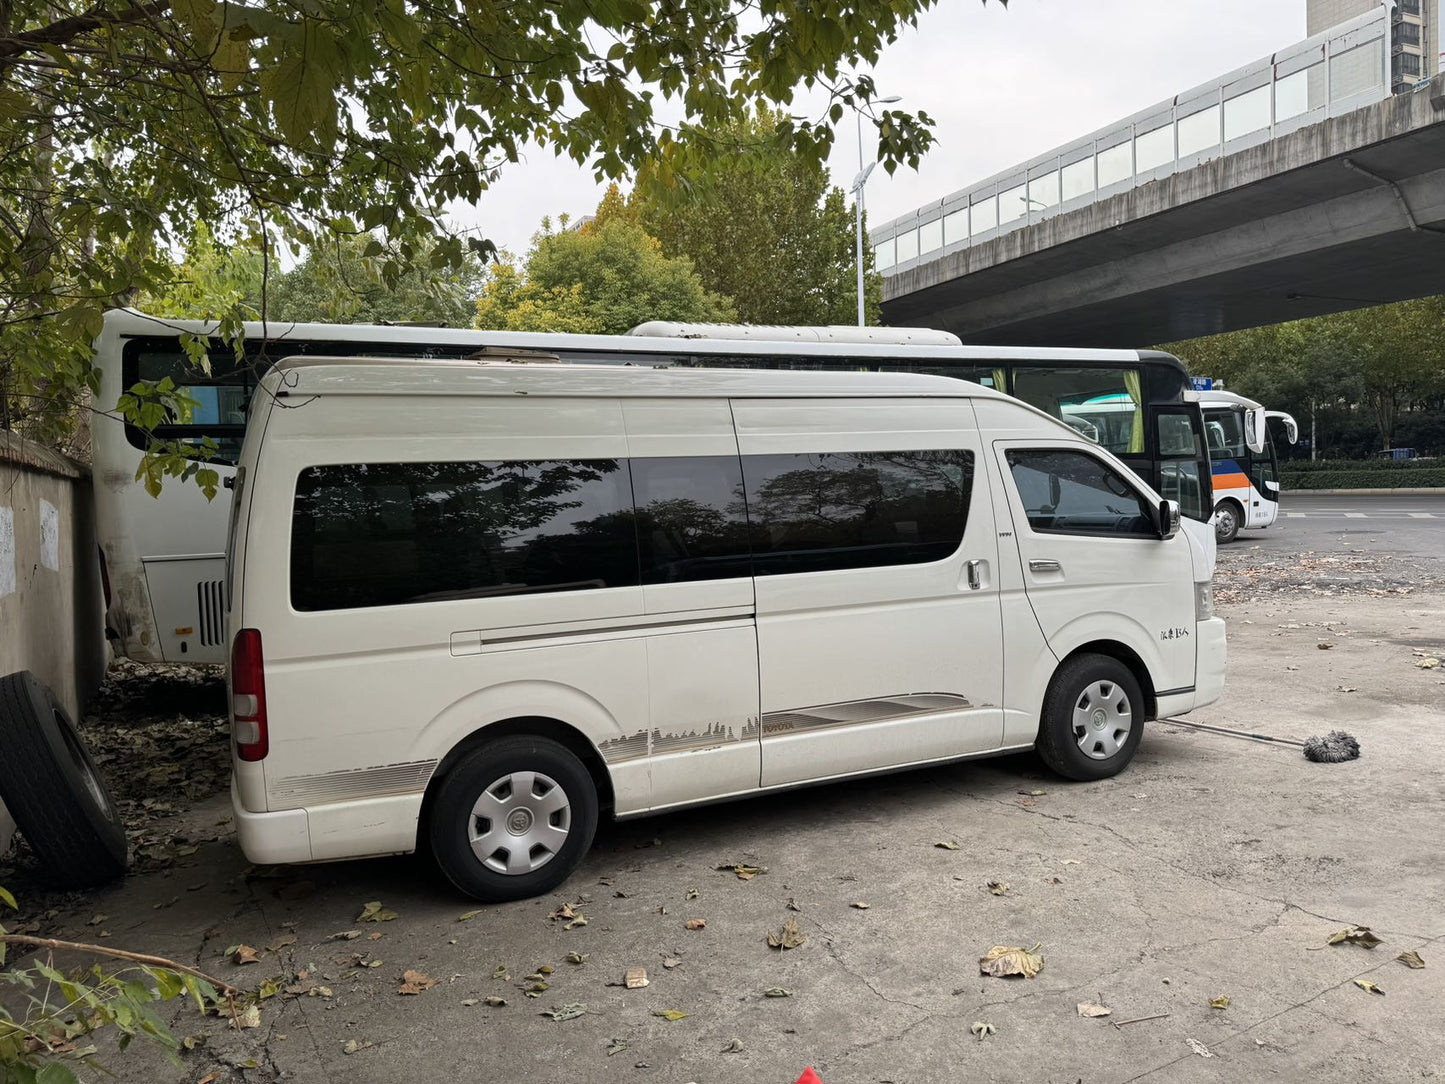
{"x":1294,"y":515}
{"x":49,"y":536}
{"x":1421,"y":515}
{"x":7,"y":552}
{"x":1355,"y":515}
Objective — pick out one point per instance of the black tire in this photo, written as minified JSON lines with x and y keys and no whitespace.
{"x":1228,"y":518}
{"x":54,"y":790}
{"x":1085,"y":688}
{"x":453,"y":821}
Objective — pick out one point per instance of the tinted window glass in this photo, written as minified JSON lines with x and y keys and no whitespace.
{"x":382,"y":534}
{"x":1074,"y":493}
{"x":1102,"y":404}
{"x":691,"y":524}
{"x":826,"y":511}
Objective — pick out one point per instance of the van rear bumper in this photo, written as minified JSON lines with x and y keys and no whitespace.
{"x":271,"y":838}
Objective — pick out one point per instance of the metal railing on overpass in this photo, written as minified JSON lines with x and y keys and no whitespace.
{"x":1328,"y":75}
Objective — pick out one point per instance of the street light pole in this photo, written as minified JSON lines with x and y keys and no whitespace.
{"x":858,"y":182}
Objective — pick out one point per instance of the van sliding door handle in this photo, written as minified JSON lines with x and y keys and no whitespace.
{"x":1045,"y":566}
{"x":975,"y":575}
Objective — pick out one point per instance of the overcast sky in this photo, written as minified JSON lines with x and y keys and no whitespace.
{"x":1001,"y":86}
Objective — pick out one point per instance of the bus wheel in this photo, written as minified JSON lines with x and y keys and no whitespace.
{"x":1093,"y":718}
{"x":513,"y":819}
{"x":1228,"y":518}
{"x":53,"y":789}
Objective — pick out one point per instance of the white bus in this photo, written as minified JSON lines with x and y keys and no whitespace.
{"x":476,"y":605}
{"x":1245,"y":470}
{"x":163,"y":558}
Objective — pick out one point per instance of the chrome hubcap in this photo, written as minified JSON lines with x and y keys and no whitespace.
{"x":1224,"y":522}
{"x":519,"y":823}
{"x":1102,"y":720}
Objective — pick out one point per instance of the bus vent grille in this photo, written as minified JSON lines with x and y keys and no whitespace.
{"x":209,"y":601}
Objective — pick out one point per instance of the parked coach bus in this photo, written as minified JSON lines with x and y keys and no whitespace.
{"x":1245,"y":469}
{"x":164,"y":558}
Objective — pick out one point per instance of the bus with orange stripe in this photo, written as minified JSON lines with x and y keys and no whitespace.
{"x":1244,"y":466}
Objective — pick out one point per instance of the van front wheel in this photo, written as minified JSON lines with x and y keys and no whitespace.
{"x":1093,"y":718}
{"x":513,"y":819}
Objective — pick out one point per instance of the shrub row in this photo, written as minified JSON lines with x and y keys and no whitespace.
{"x":1363,"y":479}
{"x":1305,"y":466}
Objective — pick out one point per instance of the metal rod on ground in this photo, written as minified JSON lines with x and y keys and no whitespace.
{"x":1334,"y":747}
{"x":1233,"y":733}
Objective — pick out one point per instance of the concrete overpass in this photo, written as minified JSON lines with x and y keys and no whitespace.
{"x":1334,"y":199}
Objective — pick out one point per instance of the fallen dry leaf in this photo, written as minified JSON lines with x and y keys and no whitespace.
{"x":790,"y":937}
{"x":351,"y":1046}
{"x":1089,"y":1008}
{"x":1324,"y":647}
{"x":501,"y":973}
{"x":1369,"y":987}
{"x":947,"y":845}
{"x":860,"y":905}
{"x":635,"y":978}
{"x":467,"y":916}
{"x":580,"y":920}
{"x":1411,"y":959}
{"x":282,"y":942}
{"x":734,"y":1047}
{"x":243,"y":954}
{"x":565,"y":1012}
{"x":793,"y":904}
{"x":414,"y":982}
{"x":577,"y":957}
{"x":777,"y":991}
{"x":1003,"y":961}
{"x":1431,"y":663}
{"x":616,"y":1046}
{"x":249,"y":1017}
{"x":998,"y":888}
{"x":744,"y":872}
{"x":494,"y":1001}
{"x":671,"y":962}
{"x":1199,"y":1048}
{"x":673,"y":1015}
{"x":345,"y":935}
{"x":1355,"y":935}
{"x":470,"y":1001}
{"x":982,"y":1029}
{"x":565,"y":911}
{"x":692,"y":894}
{"x":375,"y":912}
{"x":1220,"y":1002}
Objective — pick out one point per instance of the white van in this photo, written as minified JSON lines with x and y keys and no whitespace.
{"x":474,"y":603}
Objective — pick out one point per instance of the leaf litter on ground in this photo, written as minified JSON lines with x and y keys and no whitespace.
{"x":1354,"y":935}
{"x":790,"y":937}
{"x":1090,"y":1008}
{"x":1411,"y":959}
{"x":375,"y":912}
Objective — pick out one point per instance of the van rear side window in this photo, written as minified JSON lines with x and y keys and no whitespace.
{"x":383,"y":534}
{"x":387,"y":534}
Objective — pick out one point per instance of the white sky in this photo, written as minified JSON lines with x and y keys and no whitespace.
{"x":1001,"y":86}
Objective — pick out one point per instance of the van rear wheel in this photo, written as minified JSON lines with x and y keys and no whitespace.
{"x":1093,"y":718}
{"x":513,"y":819}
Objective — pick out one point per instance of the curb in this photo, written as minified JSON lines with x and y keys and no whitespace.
{"x":1437,"y":491}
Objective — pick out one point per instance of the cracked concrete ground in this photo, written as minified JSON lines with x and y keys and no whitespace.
{"x":1213,"y":867}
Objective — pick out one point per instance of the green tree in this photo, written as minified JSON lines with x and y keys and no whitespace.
{"x":604,"y":277}
{"x":124,"y":122}
{"x":341,"y":284}
{"x":766,"y":229}
{"x":212,"y":280}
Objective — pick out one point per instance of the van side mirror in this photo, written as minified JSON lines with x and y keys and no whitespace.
{"x":1168,"y":519}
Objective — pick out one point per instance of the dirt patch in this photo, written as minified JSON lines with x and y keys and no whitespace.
{"x":1243,"y":575}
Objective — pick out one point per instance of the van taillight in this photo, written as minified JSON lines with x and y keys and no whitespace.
{"x":248,"y":696}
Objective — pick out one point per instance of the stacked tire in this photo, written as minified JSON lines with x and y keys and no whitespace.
{"x":54,"y":791}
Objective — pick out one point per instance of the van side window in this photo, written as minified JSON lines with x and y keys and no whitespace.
{"x":691,"y":523}
{"x":383,"y":534}
{"x":1074,"y":493}
{"x":840,"y":510}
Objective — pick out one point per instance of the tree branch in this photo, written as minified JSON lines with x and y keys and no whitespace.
{"x":119,"y":954}
{"x":65,"y":31}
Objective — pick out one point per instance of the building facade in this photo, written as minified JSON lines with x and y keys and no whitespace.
{"x":1414,"y":40}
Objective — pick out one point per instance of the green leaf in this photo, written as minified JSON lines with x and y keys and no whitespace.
{"x":7,"y":899}
{"x":55,"y":1072}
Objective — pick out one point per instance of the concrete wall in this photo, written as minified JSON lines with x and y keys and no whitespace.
{"x":52,"y":608}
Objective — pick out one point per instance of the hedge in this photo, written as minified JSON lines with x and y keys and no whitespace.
{"x":1306,"y":466}
{"x":1423,"y":477}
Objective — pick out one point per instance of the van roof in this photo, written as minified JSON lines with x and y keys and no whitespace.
{"x":306,"y":375}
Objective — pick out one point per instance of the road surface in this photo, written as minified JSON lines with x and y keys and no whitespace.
{"x":1394,"y":524}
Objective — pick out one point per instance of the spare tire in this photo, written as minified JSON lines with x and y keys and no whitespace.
{"x":53,"y":790}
